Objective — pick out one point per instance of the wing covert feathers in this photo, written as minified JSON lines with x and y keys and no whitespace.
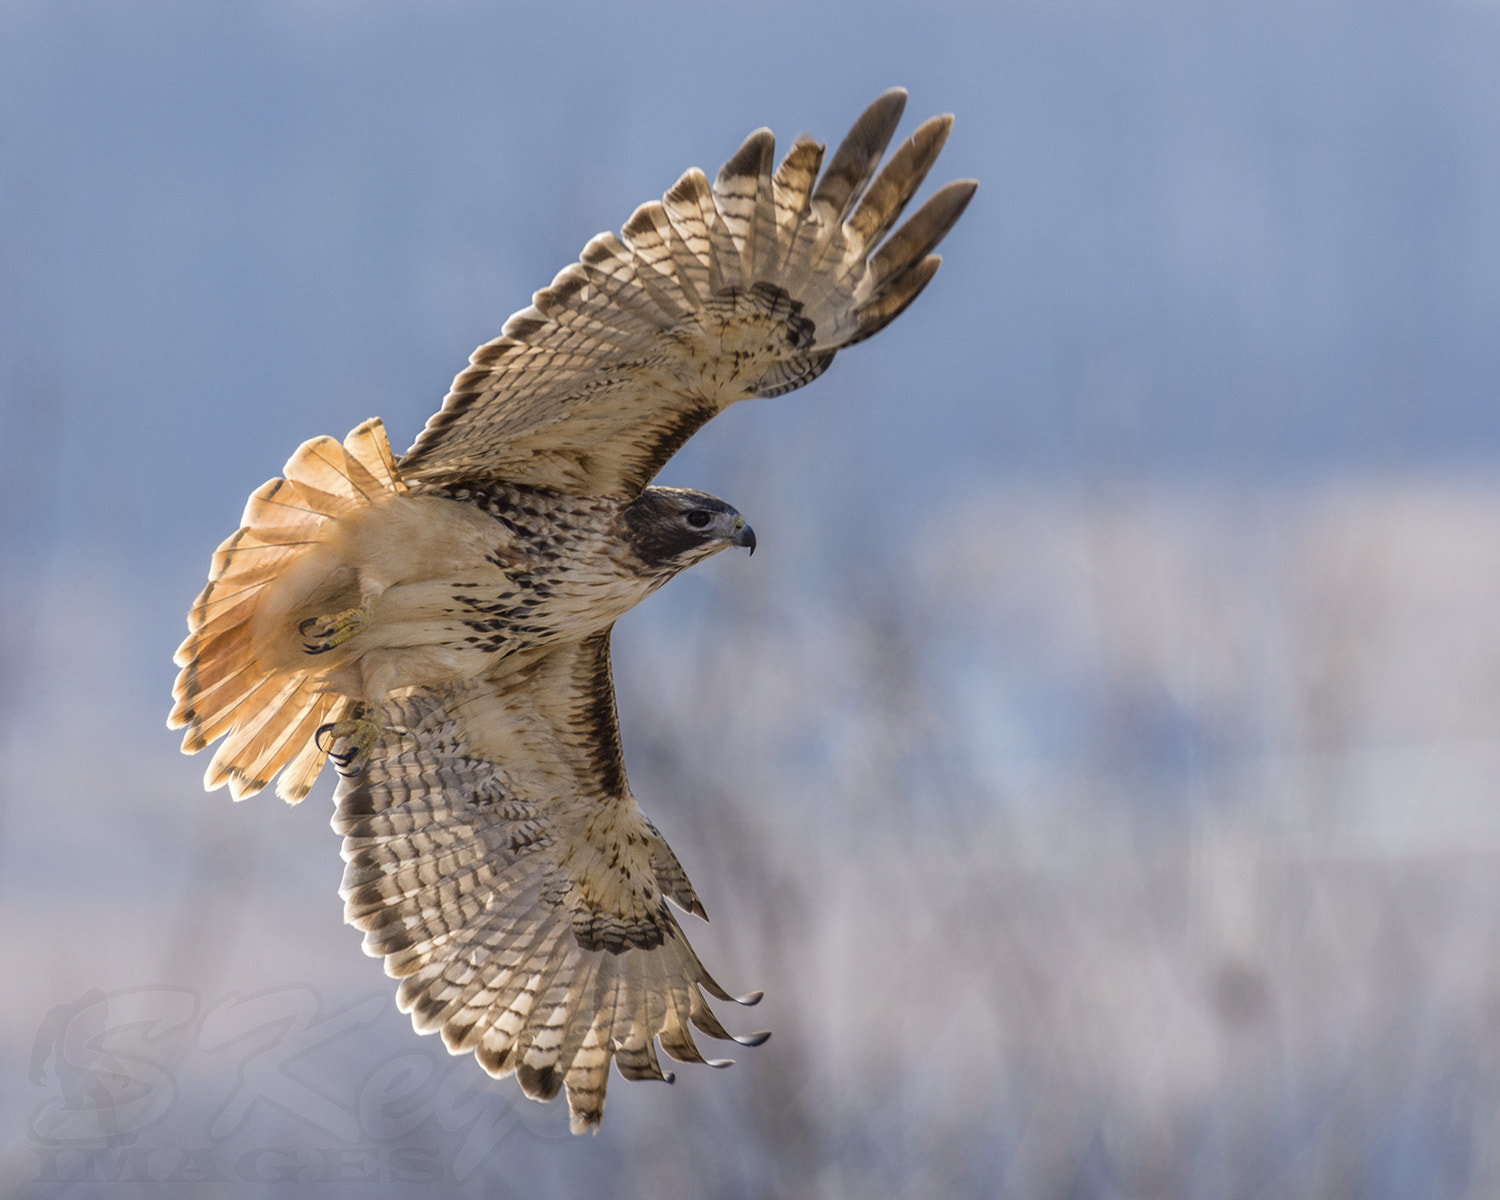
{"x":266,"y":714}
{"x":746,"y":286}
{"x":522,"y":902}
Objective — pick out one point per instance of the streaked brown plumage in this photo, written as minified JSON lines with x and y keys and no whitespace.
{"x":441,"y":622}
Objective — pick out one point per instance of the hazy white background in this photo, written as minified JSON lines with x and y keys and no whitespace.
{"x":1098,"y":763}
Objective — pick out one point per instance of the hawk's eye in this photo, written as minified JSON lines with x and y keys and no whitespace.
{"x":699,"y":519}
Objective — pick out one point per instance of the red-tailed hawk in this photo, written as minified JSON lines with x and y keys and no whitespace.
{"x":439,"y":624}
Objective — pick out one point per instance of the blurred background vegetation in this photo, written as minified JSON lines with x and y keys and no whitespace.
{"x":1096,"y":765}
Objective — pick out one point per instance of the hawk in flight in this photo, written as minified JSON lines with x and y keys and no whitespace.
{"x":439,"y":624}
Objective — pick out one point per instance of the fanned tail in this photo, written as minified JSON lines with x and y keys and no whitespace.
{"x":268,"y":714}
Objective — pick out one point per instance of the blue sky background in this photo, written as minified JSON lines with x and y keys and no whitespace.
{"x":1176,"y":487}
{"x":1211,"y":239}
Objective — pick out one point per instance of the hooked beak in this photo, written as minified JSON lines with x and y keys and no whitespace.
{"x":743,"y":535}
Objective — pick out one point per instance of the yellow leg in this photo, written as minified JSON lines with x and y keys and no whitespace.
{"x":324,"y":633}
{"x":359,"y":734}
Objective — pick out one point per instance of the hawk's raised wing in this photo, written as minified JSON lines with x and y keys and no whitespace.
{"x":746,"y":287}
{"x":498,"y":861}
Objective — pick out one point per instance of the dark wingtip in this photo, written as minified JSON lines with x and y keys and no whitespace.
{"x":752,"y":158}
{"x":848,"y":171}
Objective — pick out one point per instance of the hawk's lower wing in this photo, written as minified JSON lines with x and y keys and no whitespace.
{"x":499,"y":863}
{"x":742,"y":287}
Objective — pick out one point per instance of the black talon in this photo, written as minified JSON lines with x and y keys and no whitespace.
{"x":305,"y":629}
{"x":341,"y":763}
{"x":340,"y":760}
{"x":313,"y":626}
{"x":327,"y":737}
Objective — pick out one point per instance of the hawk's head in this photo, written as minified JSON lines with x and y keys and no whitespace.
{"x":670,"y":529}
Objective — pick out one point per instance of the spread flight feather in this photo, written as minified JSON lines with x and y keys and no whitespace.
{"x":439,"y":624}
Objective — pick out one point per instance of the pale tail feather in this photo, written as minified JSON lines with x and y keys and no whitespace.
{"x":268,"y":718}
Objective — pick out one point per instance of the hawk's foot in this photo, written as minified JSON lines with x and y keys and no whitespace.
{"x":324,"y":633}
{"x":359,"y":735}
